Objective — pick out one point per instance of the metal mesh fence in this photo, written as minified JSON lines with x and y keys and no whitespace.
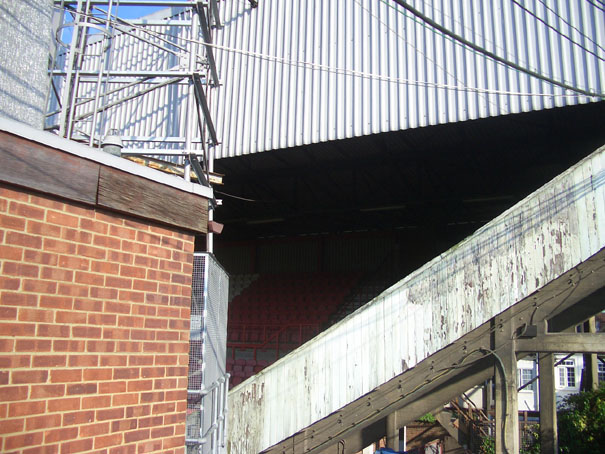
{"x":208,"y":382}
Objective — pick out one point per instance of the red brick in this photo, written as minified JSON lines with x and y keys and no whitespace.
{"x":166,"y":360}
{"x":26,"y":211}
{"x":9,"y":426}
{"x":131,"y":246}
{"x":43,"y":229}
{"x":126,"y":373}
{"x":12,"y":329}
{"x":14,"y":194}
{"x":104,"y":267}
{"x":42,"y":422}
{"x":72,"y":447}
{"x":132,"y":347}
{"x":97,"y":374}
{"x":96,"y":402}
{"x":74,"y":263}
{"x":164,"y":383}
{"x":60,"y":246}
{"x":59,"y":218}
{"x":100,"y":346}
{"x":119,"y":308}
{"x":158,"y":275}
{"x":83,"y":360}
{"x":20,"y":269}
{"x":151,"y":421}
{"x":118,"y":282}
{"x":122,"y":232}
{"x":103,"y":293}
{"x":138,"y":411}
{"x":50,"y":361}
{"x":116,"y":333}
{"x":161,"y":432}
{"x":102,"y":319}
{"x":78,"y":417}
{"x":129,"y":449}
{"x":8,"y":313}
{"x":14,"y":361}
{"x":167,"y":336}
{"x":21,"y":377}
{"x":136,"y":435}
{"x":144,"y":285}
{"x":69,"y":345}
{"x":152,"y":372}
{"x":92,"y":430}
{"x":130,"y":322}
{"x":150,"y":446}
{"x":145,"y":310}
{"x":57,"y":274}
{"x":131,"y":296}
{"x":89,"y":278}
{"x":173,"y":442}
{"x":81,"y":388}
{"x":142,"y":334}
{"x":155,"y":396}
{"x":46,"y":391}
{"x":56,"y":302}
{"x":92,"y":252}
{"x":7,"y":345}
{"x":11,"y":253}
{"x":89,"y":332}
{"x":120,"y":257}
{"x":47,"y":202}
{"x":35,"y":315}
{"x":47,"y":330}
{"x":108,"y":440}
{"x":72,"y":290}
{"x":46,"y":449}
{"x":93,"y":226}
{"x":33,"y":345}
{"x":140,"y":360}
{"x":108,"y":414}
{"x":64,"y":404}
{"x":53,"y":436}
{"x":114,"y":360}
{"x":38,"y":286}
{"x":112,"y":387}
{"x":108,"y":242}
{"x":76,"y":236}
{"x":88,"y":305}
{"x":123,"y":425}
{"x":157,"y":347}
{"x":23,"y":440}
{"x":125,"y":399}
{"x":25,"y":408}
{"x":146,"y":262}
{"x":74,"y":317}
{"x":65,"y":375}
{"x":12,"y":222}
{"x":140,"y":385}
{"x":168,"y":407}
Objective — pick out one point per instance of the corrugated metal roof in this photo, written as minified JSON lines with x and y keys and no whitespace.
{"x":345,"y":68}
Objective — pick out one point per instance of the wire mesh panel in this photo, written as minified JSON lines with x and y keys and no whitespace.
{"x":208,"y":381}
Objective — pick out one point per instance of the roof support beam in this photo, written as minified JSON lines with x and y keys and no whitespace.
{"x":202,"y":102}
{"x":207,"y":40}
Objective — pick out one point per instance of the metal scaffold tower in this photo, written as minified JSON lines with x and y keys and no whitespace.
{"x":139,"y":76}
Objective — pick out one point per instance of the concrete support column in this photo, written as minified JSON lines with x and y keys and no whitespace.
{"x":505,"y":395}
{"x":590,"y":377}
{"x":392,"y":431}
{"x":548,"y":404}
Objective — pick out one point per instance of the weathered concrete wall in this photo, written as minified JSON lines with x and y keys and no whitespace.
{"x":536,"y":241}
{"x":25,"y":27}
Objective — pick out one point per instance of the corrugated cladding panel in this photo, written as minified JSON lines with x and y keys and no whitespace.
{"x":399,"y":73}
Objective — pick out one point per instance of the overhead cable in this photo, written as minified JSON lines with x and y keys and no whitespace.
{"x":534,"y":15}
{"x":562,"y":19}
{"x":493,"y":56}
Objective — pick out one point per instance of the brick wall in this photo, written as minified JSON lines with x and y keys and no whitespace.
{"x":94,"y":319}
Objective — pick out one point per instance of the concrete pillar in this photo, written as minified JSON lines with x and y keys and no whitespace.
{"x":505,"y":395}
{"x":548,"y":404}
{"x":392,"y":432}
{"x":590,"y":377}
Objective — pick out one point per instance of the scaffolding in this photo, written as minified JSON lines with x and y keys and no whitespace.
{"x":141,"y":84}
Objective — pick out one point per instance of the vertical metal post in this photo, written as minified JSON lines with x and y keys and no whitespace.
{"x":506,"y":408}
{"x":210,"y":236}
{"x":190,"y":124}
{"x":548,"y":405}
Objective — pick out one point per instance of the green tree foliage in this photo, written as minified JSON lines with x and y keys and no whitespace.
{"x":581,"y":423}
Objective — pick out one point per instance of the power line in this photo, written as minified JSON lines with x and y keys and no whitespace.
{"x":531,"y":13}
{"x":493,"y":56}
{"x":562,"y":19}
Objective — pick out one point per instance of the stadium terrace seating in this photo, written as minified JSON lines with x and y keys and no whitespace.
{"x":277,"y":313}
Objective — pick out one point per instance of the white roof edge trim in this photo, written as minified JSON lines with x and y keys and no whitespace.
{"x":86,"y":152}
